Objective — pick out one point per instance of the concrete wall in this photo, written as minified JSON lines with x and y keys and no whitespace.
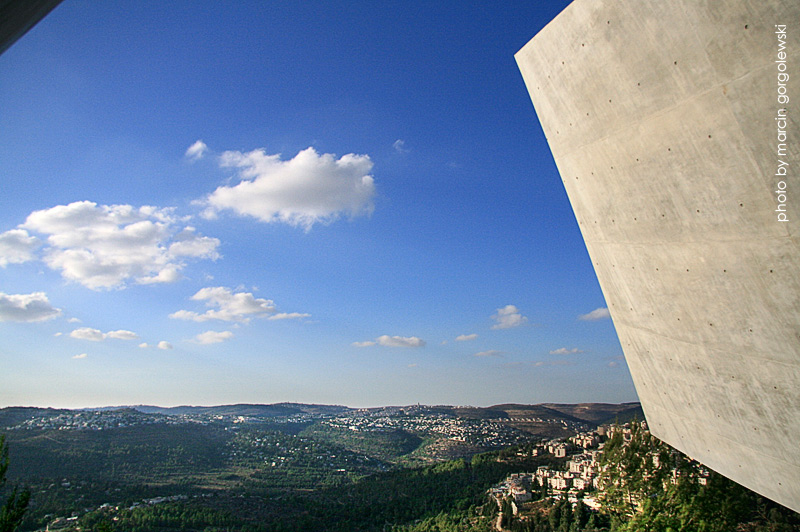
{"x":661,"y":119}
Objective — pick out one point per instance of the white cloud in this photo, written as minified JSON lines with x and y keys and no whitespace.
{"x":213,"y":337}
{"x":164,"y":345}
{"x":490,"y":353}
{"x":169,"y":274}
{"x":239,"y":307}
{"x":82,"y":355}
{"x":16,"y":247}
{"x":87,"y":333}
{"x":122,"y":335}
{"x":289,"y":316}
{"x":308,"y":189}
{"x":508,"y":317}
{"x":95,"y":335}
{"x":466,"y":337}
{"x":597,"y":314}
{"x":188,"y":244}
{"x":73,"y":320}
{"x":363,"y":344}
{"x":101,"y":246}
{"x":26,"y":307}
{"x":196,"y":151}
{"x":400,"y":341}
{"x":400,"y":146}
{"x":393,"y":341}
{"x":565,"y":351}
{"x":144,"y":345}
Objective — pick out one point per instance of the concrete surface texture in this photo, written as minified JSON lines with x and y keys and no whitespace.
{"x":661,"y":117}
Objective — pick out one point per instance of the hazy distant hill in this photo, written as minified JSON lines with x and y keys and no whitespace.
{"x":600,"y":413}
{"x":531,"y":418}
{"x":248,"y":410}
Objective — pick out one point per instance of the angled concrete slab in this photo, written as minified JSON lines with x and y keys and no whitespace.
{"x":665,"y":120}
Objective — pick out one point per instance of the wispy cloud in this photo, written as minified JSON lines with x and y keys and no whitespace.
{"x":26,"y":307}
{"x":363,"y":344}
{"x":101,"y":246}
{"x":616,"y":361}
{"x":95,"y":335}
{"x":400,"y":146}
{"x":597,"y":314}
{"x":565,"y":351}
{"x":466,"y":337}
{"x":289,"y":316}
{"x":490,"y":353}
{"x":196,"y":151}
{"x":508,"y":317}
{"x":308,"y":189}
{"x":81,"y":356}
{"x":213,"y":337}
{"x":160,"y":345}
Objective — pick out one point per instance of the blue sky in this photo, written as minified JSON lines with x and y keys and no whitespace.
{"x":349,"y":203}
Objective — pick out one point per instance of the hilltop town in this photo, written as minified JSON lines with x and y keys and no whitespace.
{"x":582,"y":475}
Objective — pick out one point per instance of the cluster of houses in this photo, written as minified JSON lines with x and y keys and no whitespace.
{"x":483,"y":432}
{"x":581,"y":476}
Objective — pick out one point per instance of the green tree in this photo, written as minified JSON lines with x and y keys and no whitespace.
{"x":14,"y":507}
{"x":633,"y":471}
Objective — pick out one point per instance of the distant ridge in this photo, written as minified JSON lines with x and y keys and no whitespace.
{"x":523,"y":416}
{"x":244,"y":409}
{"x":600,"y":413}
